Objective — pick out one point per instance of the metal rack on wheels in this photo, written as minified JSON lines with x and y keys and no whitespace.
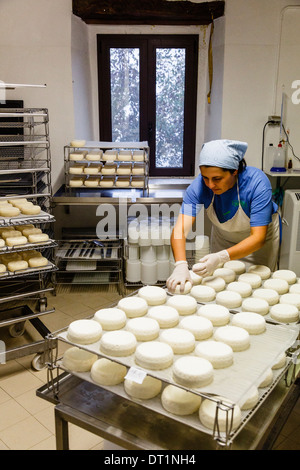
{"x":25,"y":172}
{"x":77,"y":397}
{"x":89,"y":261}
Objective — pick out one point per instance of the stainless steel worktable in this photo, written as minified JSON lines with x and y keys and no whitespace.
{"x":159,"y":192}
{"x":132,"y":426}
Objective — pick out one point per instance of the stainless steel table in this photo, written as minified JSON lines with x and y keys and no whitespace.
{"x":131,"y":426}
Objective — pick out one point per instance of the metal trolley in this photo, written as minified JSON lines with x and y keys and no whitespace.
{"x":110,"y":412}
{"x":25,"y":172}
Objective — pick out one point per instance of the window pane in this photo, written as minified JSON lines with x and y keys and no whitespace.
{"x":170,"y":85}
{"x":125,"y":92}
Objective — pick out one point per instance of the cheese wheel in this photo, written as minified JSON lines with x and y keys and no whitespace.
{"x":84,"y":331}
{"x":285,"y":274}
{"x":138,"y":155}
{"x":280,"y":285}
{"x":229,"y":299}
{"x":76,"y":182}
{"x":219,"y":354}
{"x":179,"y":402}
{"x":9,"y":211}
{"x":154,"y":355}
{"x":149,"y":388}
{"x":10,"y":233}
{"x":92,"y":169}
{"x":106,"y":372}
{"x":14,"y":241}
{"x":227,"y":274}
{"x":92,"y":182}
{"x":111,"y":318}
{"x":280,"y":361}
{"x":203,"y":293}
{"x":253,"y":279}
{"x":228,"y":414}
{"x":185,"y":305}
{"x":252,"y":322}
{"x":28,"y":209}
{"x":266,"y":379}
{"x":285,"y":313}
{"x":263,"y":271}
{"x":37,"y":262}
{"x":133,"y":306}
{"x":192,"y":371}
{"x":251,"y":398}
{"x":181,"y":341}
{"x":78,"y":360}
{"x":291,"y":299}
{"x":137,"y":181}
{"x":217,"y":283}
{"x":237,"y":338}
{"x":153,"y":295}
{"x":237,"y":266}
{"x":124,"y":155}
{"x":165,"y":315}
{"x":38,"y":238}
{"x":2,"y":243}
{"x":118,"y":343}
{"x":14,"y":202}
{"x":294,"y":289}
{"x":76,"y":169}
{"x":124,"y":169}
{"x":94,"y":155}
{"x":200,"y":327}
{"x":77,"y":143}
{"x":15,"y":266}
{"x":107,"y":182}
{"x":243,"y":288}
{"x":260,"y":306}
{"x":122,"y":182}
{"x":219,"y":315}
{"x":144,"y":329}
{"x":30,"y":231}
{"x":2,"y":268}
{"x":270,"y":295}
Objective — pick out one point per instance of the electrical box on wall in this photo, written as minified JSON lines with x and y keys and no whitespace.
{"x":290,"y":246}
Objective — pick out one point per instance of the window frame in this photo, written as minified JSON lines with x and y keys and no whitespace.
{"x":147,"y":45}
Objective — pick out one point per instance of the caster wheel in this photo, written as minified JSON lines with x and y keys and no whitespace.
{"x":38,"y":362}
{"x":17,"y":329}
{"x":43,"y":304}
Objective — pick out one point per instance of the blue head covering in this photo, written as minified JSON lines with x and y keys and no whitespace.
{"x":223,"y":153}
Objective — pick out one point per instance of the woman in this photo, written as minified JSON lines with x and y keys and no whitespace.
{"x":238,"y":202}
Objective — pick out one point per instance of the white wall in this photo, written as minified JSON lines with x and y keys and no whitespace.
{"x":252,"y":40}
{"x":35,"y":48}
{"x":42,"y":42}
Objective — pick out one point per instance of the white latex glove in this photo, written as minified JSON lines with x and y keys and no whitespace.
{"x":180,"y":275}
{"x":209,"y":263}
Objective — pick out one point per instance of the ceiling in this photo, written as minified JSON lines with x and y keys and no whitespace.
{"x":158,"y":12}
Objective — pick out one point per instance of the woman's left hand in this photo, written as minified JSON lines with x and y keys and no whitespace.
{"x":209,"y":263}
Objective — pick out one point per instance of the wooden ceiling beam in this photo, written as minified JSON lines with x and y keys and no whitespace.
{"x":158,"y":12}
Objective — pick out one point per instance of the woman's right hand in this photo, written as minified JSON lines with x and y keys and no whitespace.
{"x":180,"y":275}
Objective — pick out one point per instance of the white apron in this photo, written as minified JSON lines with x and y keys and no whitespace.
{"x":229,"y":233}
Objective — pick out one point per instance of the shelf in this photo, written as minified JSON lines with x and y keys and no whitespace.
{"x":43,"y":217}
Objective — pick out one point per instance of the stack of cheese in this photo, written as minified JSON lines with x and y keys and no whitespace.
{"x":122,"y":168}
{"x":15,"y":207}
{"x":21,"y":235}
{"x":18,"y":261}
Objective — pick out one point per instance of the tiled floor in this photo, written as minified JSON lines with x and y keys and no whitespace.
{"x":27,"y":421}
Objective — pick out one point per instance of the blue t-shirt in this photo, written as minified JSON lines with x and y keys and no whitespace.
{"x":255,"y":198}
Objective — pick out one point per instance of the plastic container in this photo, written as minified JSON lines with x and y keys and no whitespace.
{"x":279,"y":159}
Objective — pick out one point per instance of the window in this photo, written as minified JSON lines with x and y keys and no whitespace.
{"x":148,"y":92}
